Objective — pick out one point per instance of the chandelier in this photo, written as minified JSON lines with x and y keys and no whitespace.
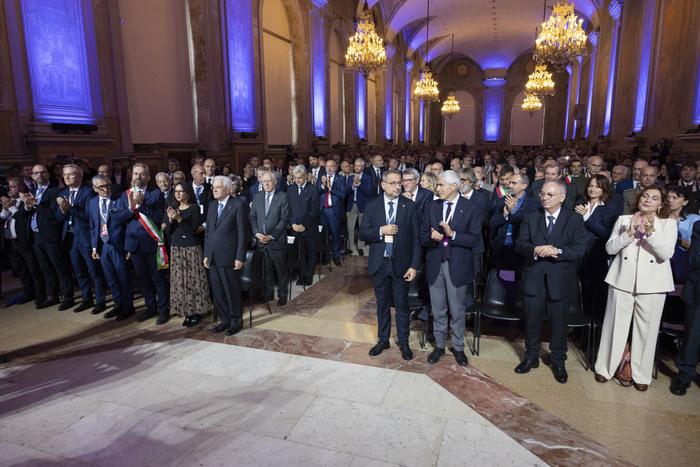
{"x":450,"y":107}
{"x":427,"y":87}
{"x":531,"y":104}
{"x":562,"y":39}
{"x":540,"y":83}
{"x":366,"y":52}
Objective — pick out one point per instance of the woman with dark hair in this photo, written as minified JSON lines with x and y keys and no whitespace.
{"x":189,"y":288}
{"x":668,"y":174}
{"x":599,"y":213}
{"x":682,"y":207}
{"x":639,"y":279}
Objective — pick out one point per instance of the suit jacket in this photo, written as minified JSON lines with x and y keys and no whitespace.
{"x":625,"y":184}
{"x":49,"y":218}
{"x":78,"y":214}
{"x":364,"y":190}
{"x":569,"y":235}
{"x":274,"y":223}
{"x":304,"y":209}
{"x":423,"y":197}
{"x":204,"y":198}
{"x":226,"y":238}
{"x":691,"y":289}
{"x":153,"y":208}
{"x":321,"y":171}
{"x":466,"y":223}
{"x":376,"y":185}
{"x":116,"y":223}
{"x":628,"y":197}
{"x":407,"y":248}
{"x":498,"y":224}
{"x":338,"y":192}
{"x":642,"y":264}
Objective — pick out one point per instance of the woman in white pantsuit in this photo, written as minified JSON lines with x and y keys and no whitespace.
{"x":639,"y":278}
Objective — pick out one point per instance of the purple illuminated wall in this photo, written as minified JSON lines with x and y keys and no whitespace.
{"x":593,"y":38}
{"x":319,"y":74}
{"x":361,"y":94}
{"x":389,"y":106}
{"x":644,"y":61}
{"x":493,"y":108}
{"x":407,"y":119}
{"x":58,"y":62}
{"x":615,"y":10}
{"x":569,"y":71}
{"x":238,"y":36}
{"x":696,"y":112}
{"x":421,"y":116}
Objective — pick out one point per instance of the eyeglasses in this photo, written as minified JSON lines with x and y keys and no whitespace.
{"x":102,"y":187}
{"x":40,"y":172}
{"x":393,"y":183}
{"x":408,"y":180}
{"x":548,"y":195}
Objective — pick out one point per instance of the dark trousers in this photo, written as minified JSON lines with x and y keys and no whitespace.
{"x":152,"y":281}
{"x":55,"y":264}
{"x":85,"y":267}
{"x":387,"y":285}
{"x":26,"y":266}
{"x":333,"y":223}
{"x":275,"y":264}
{"x":687,"y":357}
{"x":226,"y":288}
{"x":537,"y":307}
{"x":117,"y":277}
{"x":307,"y":260}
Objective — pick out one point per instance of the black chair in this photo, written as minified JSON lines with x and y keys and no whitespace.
{"x":576,"y":317}
{"x":292,"y":259}
{"x":672,"y":324}
{"x":502,"y":300}
{"x":252,"y":277}
{"x":323,"y":246}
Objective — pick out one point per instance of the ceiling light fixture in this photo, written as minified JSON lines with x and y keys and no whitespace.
{"x":366,"y":52}
{"x":562,"y":38}
{"x":427,"y":87}
{"x":531,"y":104}
{"x":450,"y":106}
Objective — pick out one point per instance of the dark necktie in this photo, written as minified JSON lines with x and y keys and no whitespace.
{"x":72,"y":196}
{"x":445,"y":243}
{"x":105,"y":213}
{"x":390,"y":246}
{"x":299,"y":191}
{"x":550,"y":225}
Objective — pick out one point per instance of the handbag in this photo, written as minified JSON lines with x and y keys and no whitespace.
{"x":624,"y":371}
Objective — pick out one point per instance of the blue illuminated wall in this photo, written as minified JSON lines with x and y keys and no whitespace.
{"x":57,"y":58}
{"x":696,"y":109}
{"x":615,"y":10}
{"x":237,"y":23}
{"x":493,"y":108}
{"x":407,"y":119}
{"x":319,"y":73}
{"x":593,"y":38}
{"x":361,"y":98}
{"x":644,"y":62}
{"x":569,"y":71}
{"x":389,"y":106}
{"x":421,"y":116}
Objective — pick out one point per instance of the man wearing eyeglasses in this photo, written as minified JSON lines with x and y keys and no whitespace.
{"x":413,"y":191}
{"x":551,"y":240}
{"x":390,"y":227}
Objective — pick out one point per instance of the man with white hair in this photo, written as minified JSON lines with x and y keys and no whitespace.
{"x":359,"y":191}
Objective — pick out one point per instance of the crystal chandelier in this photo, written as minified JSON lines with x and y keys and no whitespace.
{"x":540,"y":83}
{"x":427,"y":87}
{"x":450,"y":107}
{"x":562,"y":39}
{"x":531,"y":104}
{"x":366,"y":52}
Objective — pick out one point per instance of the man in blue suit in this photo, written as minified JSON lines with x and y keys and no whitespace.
{"x":304,"y":211}
{"x":358,"y":193}
{"x":332,"y":191}
{"x":107,"y":232}
{"x":450,"y":230}
{"x":390,"y":226}
{"x":375,"y":172}
{"x":73,"y":203}
{"x":142,"y":248}
{"x":413,"y":191}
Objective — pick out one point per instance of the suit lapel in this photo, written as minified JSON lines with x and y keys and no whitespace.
{"x":224,"y":211}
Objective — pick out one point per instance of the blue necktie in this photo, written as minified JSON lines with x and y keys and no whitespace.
{"x":390,"y":246}
{"x":268,"y":198}
{"x":39,"y":192}
{"x":221,"y":208}
{"x":550,"y":226}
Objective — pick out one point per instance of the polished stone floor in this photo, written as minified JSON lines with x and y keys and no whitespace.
{"x":299,"y":388}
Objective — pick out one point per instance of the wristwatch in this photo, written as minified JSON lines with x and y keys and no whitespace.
{"x":559,"y":251}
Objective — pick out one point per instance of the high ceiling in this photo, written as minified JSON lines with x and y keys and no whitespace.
{"x":491,"y":32}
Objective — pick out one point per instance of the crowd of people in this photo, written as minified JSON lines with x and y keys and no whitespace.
{"x":619,"y":229}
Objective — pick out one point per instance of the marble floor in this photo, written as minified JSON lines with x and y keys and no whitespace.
{"x":298,"y":387}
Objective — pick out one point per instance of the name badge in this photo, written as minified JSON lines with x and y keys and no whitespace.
{"x":201,"y":209}
{"x":388,"y":239}
{"x":103,"y":230}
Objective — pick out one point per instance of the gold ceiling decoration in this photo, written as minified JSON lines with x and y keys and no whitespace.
{"x":366,"y":52}
{"x":562,"y":38}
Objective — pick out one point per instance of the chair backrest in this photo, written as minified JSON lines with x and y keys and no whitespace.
{"x":252,"y":271}
{"x":575,"y":315}
{"x":322,"y":238}
{"x":292,"y":253}
{"x":502,"y":299}
{"x":418,"y":292}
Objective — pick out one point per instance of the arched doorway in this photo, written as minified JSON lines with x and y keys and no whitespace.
{"x":526,"y":129}
{"x":461,"y":128}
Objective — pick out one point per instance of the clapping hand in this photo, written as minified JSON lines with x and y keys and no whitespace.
{"x":64,"y":204}
{"x":580,"y":209}
{"x":435,"y":235}
{"x":174,"y":214}
{"x":28,"y":199}
{"x":6,"y":204}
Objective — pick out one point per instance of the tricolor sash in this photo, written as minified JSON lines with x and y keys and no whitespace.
{"x":157,"y":235}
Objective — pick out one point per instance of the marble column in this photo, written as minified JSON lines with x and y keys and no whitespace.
{"x":615,"y":10}
{"x":493,"y":108}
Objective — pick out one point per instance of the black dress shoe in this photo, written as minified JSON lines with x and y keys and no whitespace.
{"x":220,"y":328}
{"x":300,"y":281}
{"x":336,"y":261}
{"x":308,"y":282}
{"x":162,"y":318}
{"x":99,"y":308}
{"x":84,"y":305}
{"x":679,"y":388}
{"x":361,"y":252}
{"x":114,"y":312}
{"x":461,"y":358}
{"x":527,"y":365}
{"x":264,"y":300}
{"x":126,"y":314}
{"x":560,"y":373}
{"x":233,"y":330}
{"x":379,"y":348}
{"x":434,"y":357}
{"x":66,"y":305}
{"x":3,"y":359}
{"x":188,"y":321}
{"x":406,"y":352}
{"x":146,"y":315}
{"x":47,"y":303}
{"x":282,"y":301}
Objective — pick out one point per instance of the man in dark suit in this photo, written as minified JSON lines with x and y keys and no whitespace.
{"x":304,"y":209}
{"x":620,"y":179}
{"x":552,"y":240}
{"x":314,"y":169}
{"x":359,"y":188}
{"x":505,"y":222}
{"x":145,"y":203}
{"x":390,"y":226}
{"x":413,"y":191}
{"x":202,"y":190}
{"x":106,"y":171}
{"x":269,"y":215}
{"x":44,"y":219}
{"x":226,"y":238}
{"x":551,"y":173}
{"x":332,"y":191}
{"x":73,"y":203}
{"x":450,"y":230}
{"x":649,"y":174}
{"x":107,"y":234}
{"x":375,"y":171}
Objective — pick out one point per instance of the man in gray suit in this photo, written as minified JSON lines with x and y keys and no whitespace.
{"x":269,"y":216}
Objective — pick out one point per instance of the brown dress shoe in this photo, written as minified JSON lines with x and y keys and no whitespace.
{"x":641,"y":387}
{"x":600,"y":378}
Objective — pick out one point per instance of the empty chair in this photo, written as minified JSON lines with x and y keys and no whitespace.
{"x":292,"y":257}
{"x":502,"y":299}
{"x":252,"y":277}
{"x":576,"y":317}
{"x":323,"y":248}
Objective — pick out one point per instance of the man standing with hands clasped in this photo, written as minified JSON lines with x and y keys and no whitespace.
{"x":390,"y":227}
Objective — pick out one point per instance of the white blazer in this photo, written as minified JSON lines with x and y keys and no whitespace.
{"x":641,"y":265}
